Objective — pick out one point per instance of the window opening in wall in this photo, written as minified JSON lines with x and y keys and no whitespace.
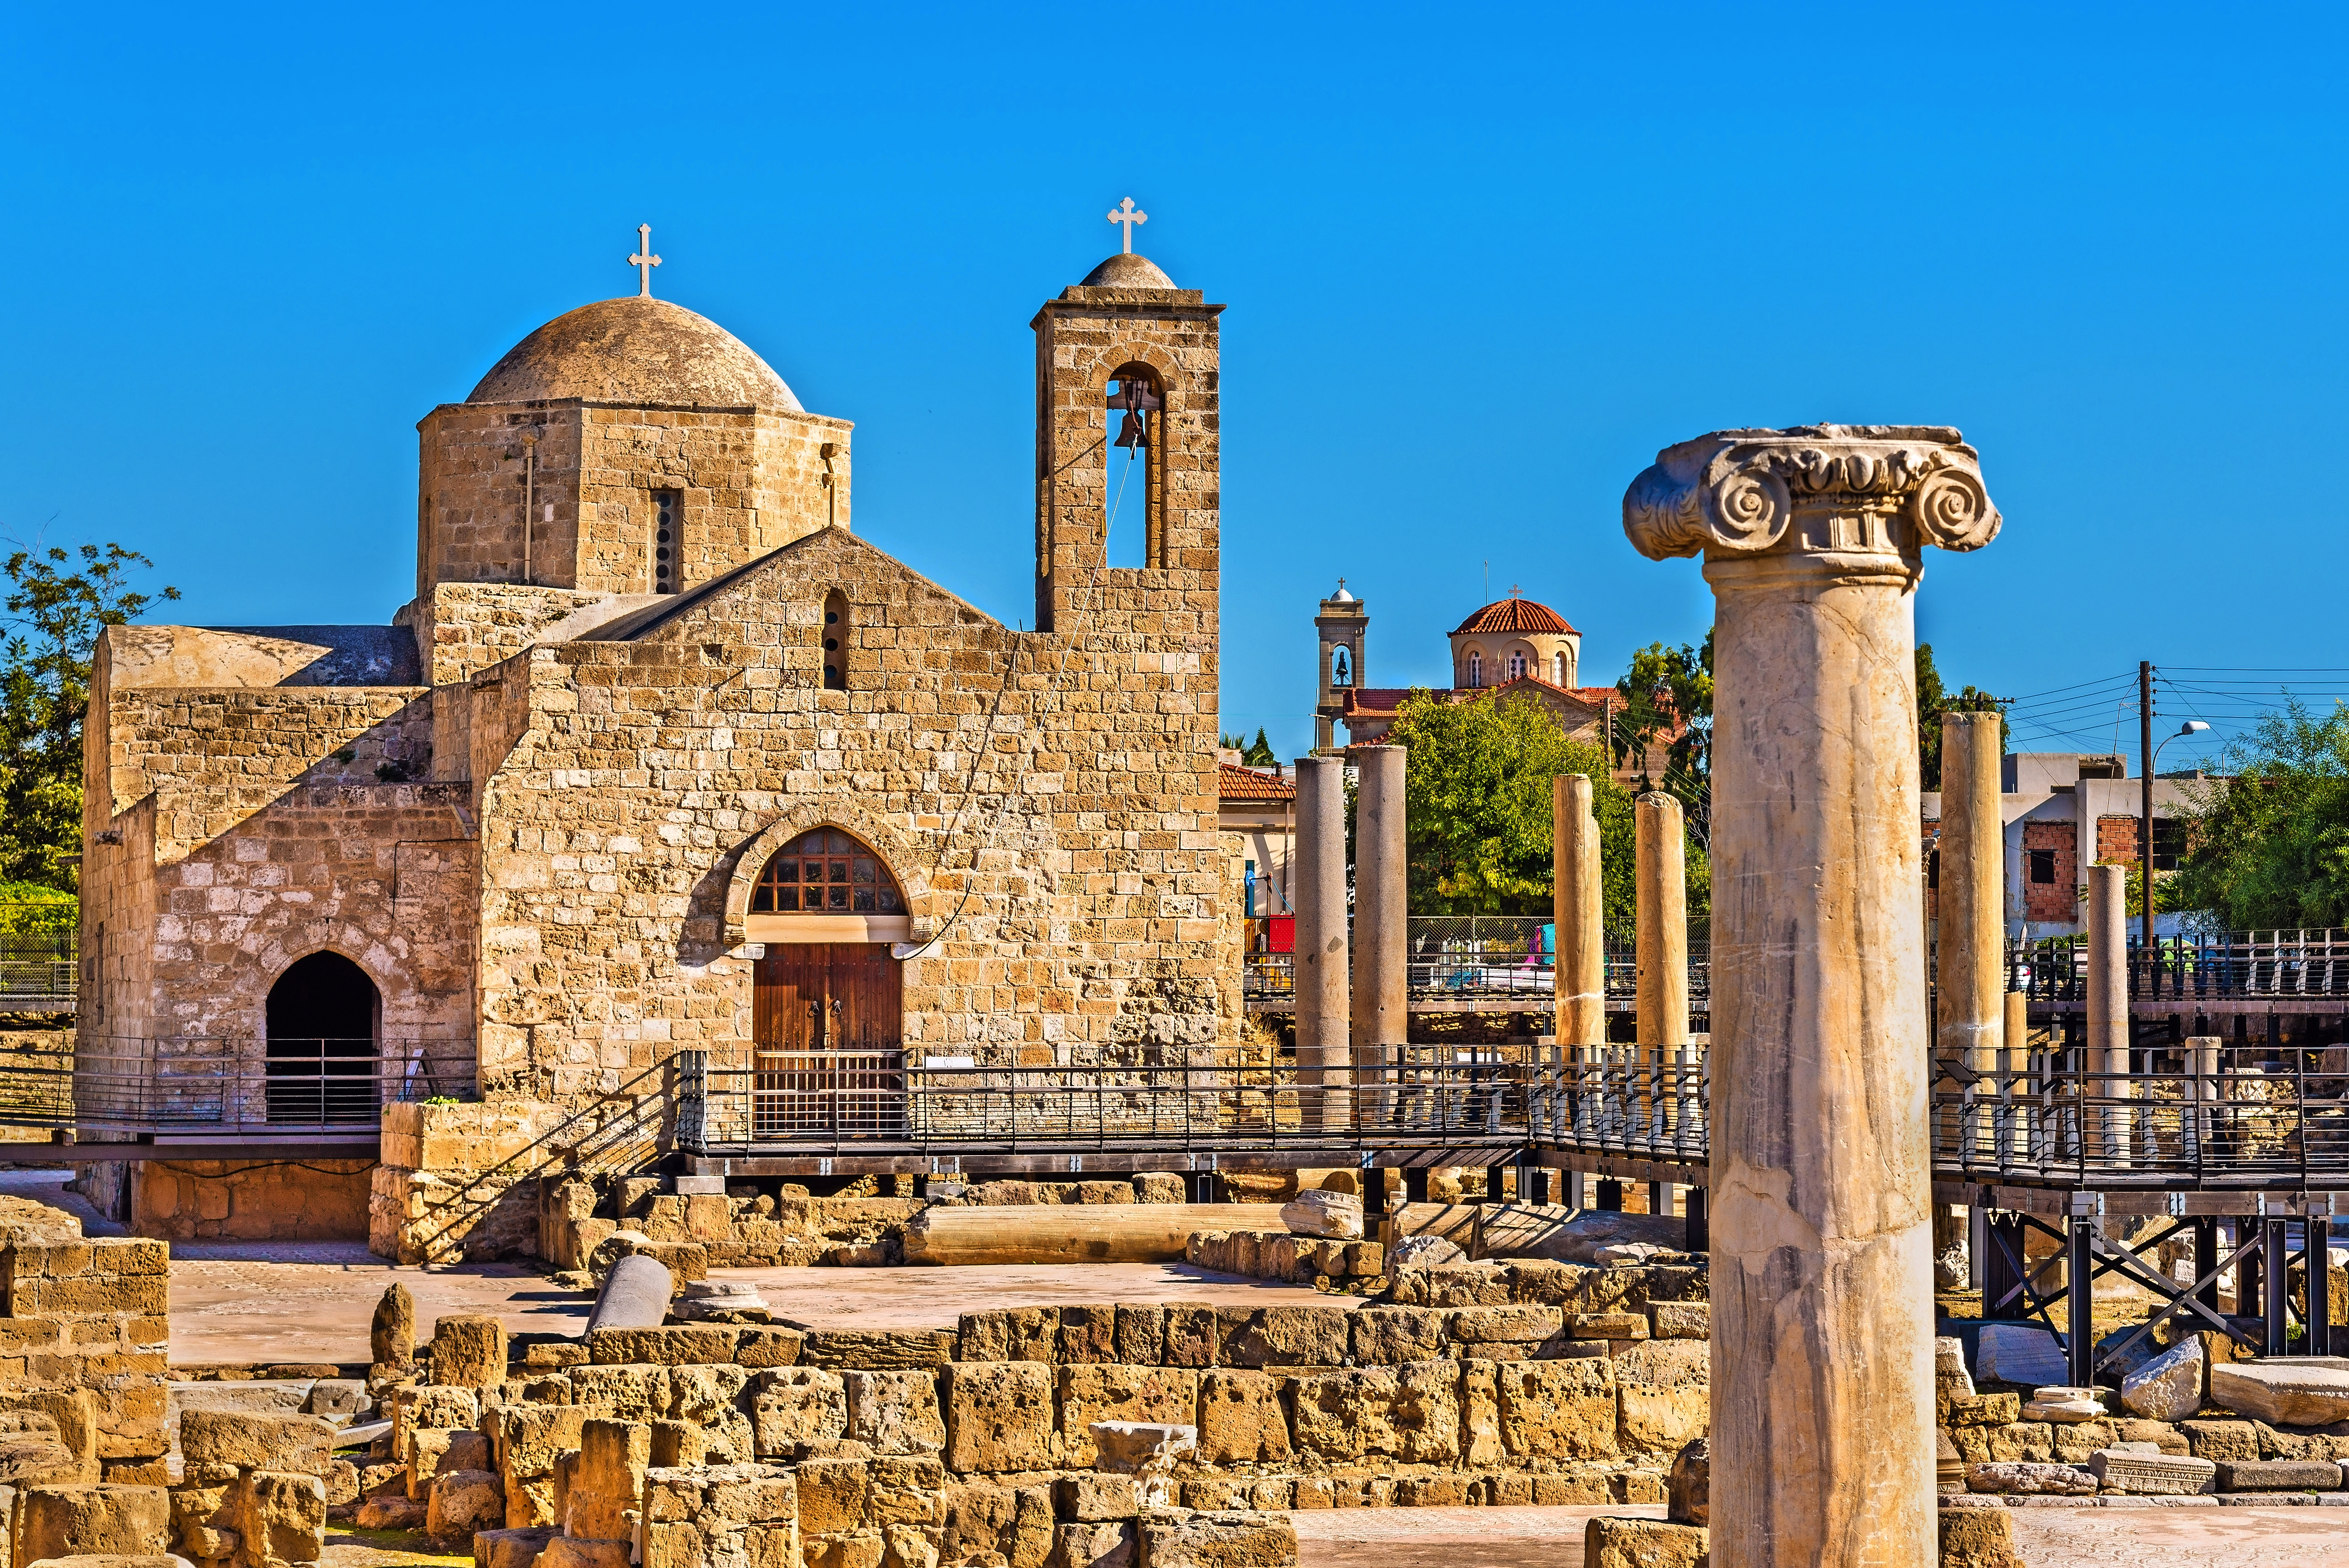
{"x":2168,"y":842}
{"x":1136,"y":467}
{"x":2043,"y":865}
{"x":826,"y":872}
{"x":1557,"y":669}
{"x":836,"y":642}
{"x":1475,"y":669}
{"x":1342,"y":667}
{"x":668,"y":519}
{"x":1516,"y":666}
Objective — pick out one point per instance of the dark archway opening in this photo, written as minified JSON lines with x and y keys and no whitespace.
{"x":324,"y":1018}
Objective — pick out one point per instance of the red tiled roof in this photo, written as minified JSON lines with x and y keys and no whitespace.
{"x":1514,"y":614}
{"x":1236,"y":783}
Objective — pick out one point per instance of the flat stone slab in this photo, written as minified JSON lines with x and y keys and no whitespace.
{"x":2063,"y":1404}
{"x":2285,"y":1392}
{"x":2016,"y":1353}
{"x":2279,"y":1475}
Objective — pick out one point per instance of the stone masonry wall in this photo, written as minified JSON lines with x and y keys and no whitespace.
{"x":85,"y":1325}
{"x":216,"y":1199}
{"x":657,"y":775}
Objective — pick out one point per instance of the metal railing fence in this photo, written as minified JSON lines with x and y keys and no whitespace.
{"x":220,"y":1085}
{"x":40,"y":957}
{"x":1485,"y":955}
{"x":2279,"y":964}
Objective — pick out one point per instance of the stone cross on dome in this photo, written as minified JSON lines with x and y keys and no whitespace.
{"x":644,"y":261}
{"x":1124,"y":212}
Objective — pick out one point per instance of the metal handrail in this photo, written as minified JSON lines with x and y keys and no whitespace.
{"x":2270,"y":963}
{"x":222,"y":1085}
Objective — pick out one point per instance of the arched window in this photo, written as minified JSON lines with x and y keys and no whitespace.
{"x":1516,"y":666}
{"x":323,"y":1016}
{"x":826,"y":872}
{"x":835,"y":640}
{"x":1475,"y":668}
{"x":1134,"y":521}
{"x":1557,"y":669}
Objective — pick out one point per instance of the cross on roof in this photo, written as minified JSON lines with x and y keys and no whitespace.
{"x":1124,"y":212}
{"x":644,"y":261}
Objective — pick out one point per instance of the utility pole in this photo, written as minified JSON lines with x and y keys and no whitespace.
{"x":2144,"y":798}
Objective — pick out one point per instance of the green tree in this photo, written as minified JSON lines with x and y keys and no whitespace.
{"x":1932,"y":701}
{"x":56,"y":603}
{"x":1477,"y":804}
{"x":1259,"y":752}
{"x":1669,"y":692}
{"x":2270,"y":845}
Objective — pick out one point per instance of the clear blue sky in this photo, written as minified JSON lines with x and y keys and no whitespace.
{"x":1480,"y":262}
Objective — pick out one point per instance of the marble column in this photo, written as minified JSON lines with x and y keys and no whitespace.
{"x":1578,"y":914}
{"x":1661,"y":882}
{"x":1821,"y":1200}
{"x":1381,"y":991}
{"x":2108,"y":1012}
{"x":1318,"y":886}
{"x":1970,"y":971}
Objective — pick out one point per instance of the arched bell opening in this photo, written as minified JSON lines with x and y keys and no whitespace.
{"x":324,"y":1018}
{"x":1135,"y":514}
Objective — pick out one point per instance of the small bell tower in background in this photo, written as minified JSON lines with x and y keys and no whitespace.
{"x":1344,"y":625}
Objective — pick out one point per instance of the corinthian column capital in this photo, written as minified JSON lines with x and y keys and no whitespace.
{"x":1866,"y":490}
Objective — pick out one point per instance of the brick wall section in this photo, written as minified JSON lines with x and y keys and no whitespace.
{"x":85,"y":1326}
{"x":753,"y":479}
{"x":2118,"y":838}
{"x":2058,"y":900}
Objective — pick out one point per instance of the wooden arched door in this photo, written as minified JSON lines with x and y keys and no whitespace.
{"x":826,"y":1019}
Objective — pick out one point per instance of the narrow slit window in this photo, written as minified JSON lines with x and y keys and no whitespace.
{"x":668,"y":519}
{"x":835,"y":640}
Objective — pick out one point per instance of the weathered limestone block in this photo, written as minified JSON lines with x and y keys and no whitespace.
{"x":1480,"y":1416}
{"x":513,"y":1547}
{"x":607,"y":1487}
{"x":468,"y":1352}
{"x":573,"y":1552}
{"x":440,"y":1406}
{"x":2157,"y":1475}
{"x":703,"y":1517}
{"x":796,"y":1404}
{"x":1557,"y":1410}
{"x":2290,"y":1393}
{"x":80,"y":1520}
{"x":896,"y":1412}
{"x":1159,"y":1187}
{"x":1514,"y":1325}
{"x":999,"y":1417}
{"x":1094,"y":1499}
{"x":1218,"y":1541}
{"x":302,"y":1443}
{"x":280,"y":1517}
{"x":767,"y":1345}
{"x":1338,"y":1215}
{"x":1088,"y":1334}
{"x":1193,"y":1335}
{"x":1664,"y":1395}
{"x":876,"y":1350}
{"x":1284,"y":1336}
{"x":1240,"y":1418}
{"x":1643,"y":1544}
{"x":1689,"y":1320}
{"x":1107,"y":1543}
{"x":675,"y":1345}
{"x":1610,"y":1326}
{"x":1409,"y":1413}
{"x":1008,"y":1334}
{"x":1140,"y":1336}
{"x":1977,"y":1538}
{"x":2064,"y":1405}
{"x":1107,"y":1392}
{"x":1688,"y":1490}
{"x":2278,"y":1475}
{"x":2222,"y":1439}
{"x":391,"y":1337}
{"x":832,"y":1494}
{"x":2017,"y":1477}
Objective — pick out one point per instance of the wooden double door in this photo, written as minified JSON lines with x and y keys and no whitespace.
{"x":829,"y":1052}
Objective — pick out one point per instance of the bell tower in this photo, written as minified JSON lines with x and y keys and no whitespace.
{"x":1344,"y":625}
{"x":1127,"y":364}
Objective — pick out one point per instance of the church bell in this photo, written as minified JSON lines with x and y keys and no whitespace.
{"x":1132,"y":429}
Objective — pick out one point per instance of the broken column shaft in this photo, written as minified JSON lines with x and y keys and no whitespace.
{"x":1318,"y":882}
{"x":1821,"y":1196}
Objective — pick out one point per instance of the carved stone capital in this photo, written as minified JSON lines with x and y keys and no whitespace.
{"x":1848,"y":488}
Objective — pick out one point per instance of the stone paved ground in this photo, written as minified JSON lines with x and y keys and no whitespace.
{"x":2046,"y":1538}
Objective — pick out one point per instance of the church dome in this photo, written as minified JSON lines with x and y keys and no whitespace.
{"x":1516,"y":614}
{"x":1124,"y":271}
{"x":638,"y":351}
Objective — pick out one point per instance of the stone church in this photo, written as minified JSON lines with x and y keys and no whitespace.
{"x":663,"y":754}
